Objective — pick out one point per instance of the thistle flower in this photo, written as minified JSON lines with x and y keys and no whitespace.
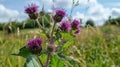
{"x":75,"y":24}
{"x":59,"y":14}
{"x":34,"y":45}
{"x":65,"y":26}
{"x":31,"y":10}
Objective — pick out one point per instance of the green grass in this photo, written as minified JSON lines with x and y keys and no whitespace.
{"x":94,"y":47}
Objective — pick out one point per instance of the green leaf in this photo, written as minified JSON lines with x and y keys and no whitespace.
{"x":31,"y":62}
{"x":47,"y":18}
{"x":67,"y":36}
{"x":57,"y":35}
{"x":67,"y":44}
{"x":56,"y":62}
{"x":24,"y":52}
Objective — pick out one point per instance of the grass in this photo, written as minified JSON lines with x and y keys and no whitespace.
{"x":94,"y":47}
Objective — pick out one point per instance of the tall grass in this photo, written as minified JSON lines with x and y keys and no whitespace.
{"x":94,"y":47}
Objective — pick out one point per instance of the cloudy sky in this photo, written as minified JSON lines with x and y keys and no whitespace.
{"x":97,"y":10}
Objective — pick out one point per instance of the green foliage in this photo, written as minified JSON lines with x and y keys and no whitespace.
{"x":90,"y":22}
{"x":67,"y":36}
{"x":45,"y":20}
{"x":24,"y":52}
{"x":27,"y":24}
{"x":10,"y":27}
{"x":113,"y":21}
{"x":30,"y":24}
{"x":56,"y":62}
{"x":1,"y":26}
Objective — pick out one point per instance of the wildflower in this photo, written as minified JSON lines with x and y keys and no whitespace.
{"x":65,"y":26}
{"x":34,"y":45}
{"x":31,"y":10}
{"x":59,"y":15}
{"x":75,"y":24}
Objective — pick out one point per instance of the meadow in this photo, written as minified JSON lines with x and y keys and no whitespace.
{"x":94,"y":47}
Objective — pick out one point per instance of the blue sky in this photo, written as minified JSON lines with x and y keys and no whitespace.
{"x":98,"y":10}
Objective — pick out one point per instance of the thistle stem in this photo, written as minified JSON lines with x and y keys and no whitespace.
{"x":48,"y":58}
{"x":51,"y":41}
{"x":53,"y":28}
{"x":39,"y":24}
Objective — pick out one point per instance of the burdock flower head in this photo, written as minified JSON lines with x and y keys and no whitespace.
{"x":35,"y":45}
{"x":65,"y":26}
{"x":75,"y":24}
{"x":59,"y":14}
{"x":31,"y":10}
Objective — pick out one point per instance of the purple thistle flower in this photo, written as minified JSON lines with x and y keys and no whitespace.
{"x":65,"y":26}
{"x":59,"y":14}
{"x":75,"y":24}
{"x":31,"y":10}
{"x":35,"y":45}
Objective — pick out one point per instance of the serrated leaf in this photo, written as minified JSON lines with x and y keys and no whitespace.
{"x":31,"y":62}
{"x":24,"y":52}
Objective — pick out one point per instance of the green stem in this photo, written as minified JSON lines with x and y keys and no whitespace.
{"x":53,"y":28}
{"x":39,"y":24}
{"x":51,"y":41}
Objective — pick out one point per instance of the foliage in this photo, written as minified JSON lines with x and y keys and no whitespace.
{"x":113,"y":21}
{"x":1,"y":26}
{"x":10,"y":27}
{"x":90,"y":22}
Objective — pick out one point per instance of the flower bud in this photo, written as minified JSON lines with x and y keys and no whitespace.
{"x":34,"y":45}
{"x":51,"y":47}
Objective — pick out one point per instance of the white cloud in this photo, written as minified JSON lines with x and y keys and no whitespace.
{"x":115,"y":12}
{"x":79,"y":16}
{"x":96,"y":12}
{"x":63,"y":4}
{"x":46,"y":2}
{"x":8,"y":14}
